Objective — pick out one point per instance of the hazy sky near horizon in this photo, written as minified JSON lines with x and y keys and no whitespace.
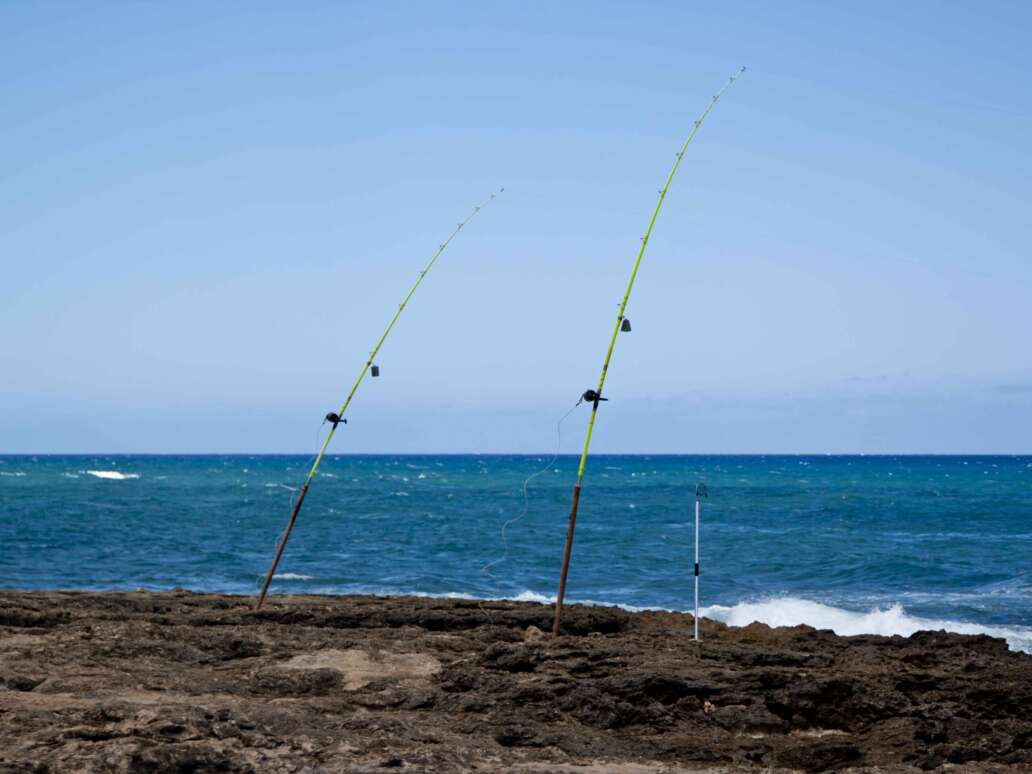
{"x":208,"y":212}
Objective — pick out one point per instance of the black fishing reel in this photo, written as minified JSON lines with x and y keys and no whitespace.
{"x":335,"y":419}
{"x":590,"y":396}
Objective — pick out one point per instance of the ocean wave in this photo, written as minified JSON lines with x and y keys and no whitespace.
{"x":17,"y":474}
{"x":549,"y":599}
{"x":292,"y":576}
{"x":113,"y":475}
{"x":792,"y":611}
{"x":779,"y":611}
{"x":533,"y":596}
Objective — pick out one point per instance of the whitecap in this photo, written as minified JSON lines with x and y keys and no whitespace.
{"x":549,"y":599}
{"x":780,"y":611}
{"x":292,"y":576}
{"x":533,"y":596}
{"x":113,"y":475}
{"x":792,"y":611}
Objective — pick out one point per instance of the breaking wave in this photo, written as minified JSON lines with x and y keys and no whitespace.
{"x":778,"y":611}
{"x":113,"y":475}
{"x":792,"y":611}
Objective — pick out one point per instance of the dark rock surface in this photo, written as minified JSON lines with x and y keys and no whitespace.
{"x":199,"y":682}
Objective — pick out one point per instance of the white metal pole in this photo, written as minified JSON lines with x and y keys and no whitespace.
{"x":698,"y":505}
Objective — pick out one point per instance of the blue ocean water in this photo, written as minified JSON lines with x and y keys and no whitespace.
{"x":857,"y":544}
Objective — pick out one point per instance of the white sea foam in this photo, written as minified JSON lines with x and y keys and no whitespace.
{"x":792,"y":611}
{"x":533,"y":596}
{"x":780,"y":611}
{"x":549,"y":599}
{"x":292,"y":576}
{"x":113,"y":475}
{"x":16,"y":474}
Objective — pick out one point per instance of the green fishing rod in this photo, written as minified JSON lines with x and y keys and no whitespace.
{"x":622,"y":324}
{"x":337,"y":418}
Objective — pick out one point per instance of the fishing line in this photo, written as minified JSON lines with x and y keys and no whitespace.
{"x":526,"y":497}
{"x":293,"y":497}
{"x":310,"y":461}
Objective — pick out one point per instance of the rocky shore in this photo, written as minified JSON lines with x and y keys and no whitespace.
{"x":199,"y":682}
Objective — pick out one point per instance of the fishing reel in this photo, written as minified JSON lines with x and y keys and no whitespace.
{"x":336,"y":419}
{"x":591,"y":396}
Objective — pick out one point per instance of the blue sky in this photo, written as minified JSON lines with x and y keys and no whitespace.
{"x":208,"y":212}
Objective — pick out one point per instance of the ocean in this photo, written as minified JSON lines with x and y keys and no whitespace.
{"x":857,"y":544}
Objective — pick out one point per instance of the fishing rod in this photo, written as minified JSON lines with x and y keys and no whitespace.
{"x":338,"y":418}
{"x":622,"y":324}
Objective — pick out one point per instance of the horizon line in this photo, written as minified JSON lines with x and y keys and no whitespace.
{"x":573,"y":455}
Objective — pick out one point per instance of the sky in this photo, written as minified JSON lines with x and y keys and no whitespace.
{"x":209,"y":212}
